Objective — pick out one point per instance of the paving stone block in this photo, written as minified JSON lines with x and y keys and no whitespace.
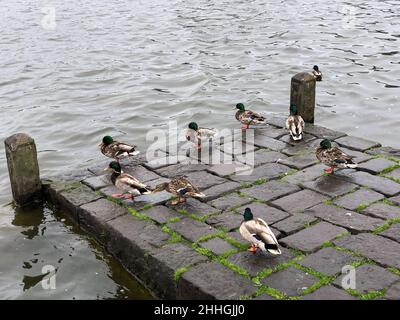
{"x":271,"y":132}
{"x":237,"y":236}
{"x":394,"y":174}
{"x":299,"y":201}
{"x":268,"y":171}
{"x":195,"y":207}
{"x":359,"y":157}
{"x":204,"y":180}
{"x":355,"y":143}
{"x":98,"y":168}
{"x":260,"y":210}
{"x":308,"y":147}
{"x":154,"y":183}
{"x":264,"y":296}
{"x":385,"y":151}
{"x":226,"y":220}
{"x":384,"y":251}
{"x":161,"y":214}
{"x":308,"y":174}
{"x":237,"y":147}
{"x":227,"y":169}
{"x":255,"y":263}
{"x":392,"y":233}
{"x":383,"y":211}
{"x":208,"y":154}
{"x":270,"y":143}
{"x":329,"y":293}
{"x":291,"y":281}
{"x":394,"y":292}
{"x":263,"y":156}
{"x":148,"y":199}
{"x":362,"y":196}
{"x":294,"y":223}
{"x":323,"y":133}
{"x":213,"y":281}
{"x":396,"y":200}
{"x":330,"y":186}
{"x":166,"y":261}
{"x":371,"y":278}
{"x":218,"y":246}
{"x":328,"y":261}
{"x":377,"y":183}
{"x":270,"y":190}
{"x":218,"y":190}
{"x":180,"y":169}
{"x":97,"y":182}
{"x":192,"y":229}
{"x":141,"y":173}
{"x":355,"y":222}
{"x":279,"y":122}
{"x":312,"y":238}
{"x":229,"y":201}
{"x":306,"y":138}
{"x":375,"y":166}
{"x":300,"y":162}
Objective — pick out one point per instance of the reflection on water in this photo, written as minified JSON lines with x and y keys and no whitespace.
{"x":35,"y":237}
{"x":124,"y":67}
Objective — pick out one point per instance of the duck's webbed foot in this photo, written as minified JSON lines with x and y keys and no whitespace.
{"x":329,"y":170}
{"x":245,"y":126}
{"x":253,"y":248}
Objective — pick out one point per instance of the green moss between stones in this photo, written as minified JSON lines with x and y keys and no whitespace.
{"x":179,"y":272}
{"x":386,"y":226}
{"x":175,"y":237}
{"x":271,"y":292}
{"x":390,"y":169}
{"x":394,"y":270}
{"x":174,"y":220}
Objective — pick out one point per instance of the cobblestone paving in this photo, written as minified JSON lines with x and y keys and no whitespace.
{"x":194,"y":250}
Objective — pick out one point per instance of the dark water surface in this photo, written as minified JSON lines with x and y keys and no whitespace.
{"x":126,"y":67}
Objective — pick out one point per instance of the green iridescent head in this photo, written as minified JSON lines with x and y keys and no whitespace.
{"x":240,"y":106}
{"x":193,"y":126}
{"x":326,"y":144}
{"x":115,"y":166}
{"x":107,"y":140}
{"x":248,"y":215}
{"x":293,"y":110}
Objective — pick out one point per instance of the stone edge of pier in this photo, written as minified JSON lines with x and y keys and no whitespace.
{"x":194,"y":250}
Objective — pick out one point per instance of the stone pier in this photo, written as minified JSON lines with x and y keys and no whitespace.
{"x":194,"y":250}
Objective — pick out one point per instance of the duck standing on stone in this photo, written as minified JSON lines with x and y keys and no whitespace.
{"x":317,"y":74}
{"x":197,"y":134}
{"x":248,"y":117}
{"x":117,"y":150}
{"x":181,"y":188}
{"x":257,"y":232}
{"x":125,"y":182}
{"x":295,"y":124}
{"x":333,"y":157}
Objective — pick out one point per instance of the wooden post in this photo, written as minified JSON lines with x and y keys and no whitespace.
{"x":302,"y":94}
{"x":23,"y":168}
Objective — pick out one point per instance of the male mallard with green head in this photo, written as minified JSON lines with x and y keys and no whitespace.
{"x":317,"y":74}
{"x":257,"y":232}
{"x":125,"y":182}
{"x":180,"y":187}
{"x":295,"y":124}
{"x":248,"y":117}
{"x":116,"y":150}
{"x":197,"y":134}
{"x":333,"y":157}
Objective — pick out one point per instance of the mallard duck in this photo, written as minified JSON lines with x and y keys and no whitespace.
{"x":257,"y":232}
{"x":248,"y":117}
{"x":197,"y":134}
{"x":180,"y":187}
{"x":333,"y":157}
{"x":295,"y":124}
{"x":317,"y":74}
{"x":126,"y":183}
{"x":116,"y":150}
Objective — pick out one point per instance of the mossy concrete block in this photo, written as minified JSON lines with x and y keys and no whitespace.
{"x":211,"y":281}
{"x":23,"y":168}
{"x":330,"y":186}
{"x":291,"y":281}
{"x":384,"y":251}
{"x":255,"y":263}
{"x":299,"y":201}
{"x":353,"y":221}
{"x":311,"y":239}
{"x":270,"y":190}
{"x":383,"y":185}
{"x":362,"y":196}
{"x":328,"y":261}
{"x":358,"y":144}
{"x":329,"y":293}
{"x":191,"y":229}
{"x":165,"y":261}
{"x":371,"y":278}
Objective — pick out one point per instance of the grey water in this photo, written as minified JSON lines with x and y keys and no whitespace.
{"x":73,"y":71}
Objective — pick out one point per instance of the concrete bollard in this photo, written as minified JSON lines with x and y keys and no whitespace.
{"x":23,"y":168}
{"x":302,"y":94}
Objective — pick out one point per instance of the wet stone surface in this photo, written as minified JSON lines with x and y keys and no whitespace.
{"x":354,"y":200}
